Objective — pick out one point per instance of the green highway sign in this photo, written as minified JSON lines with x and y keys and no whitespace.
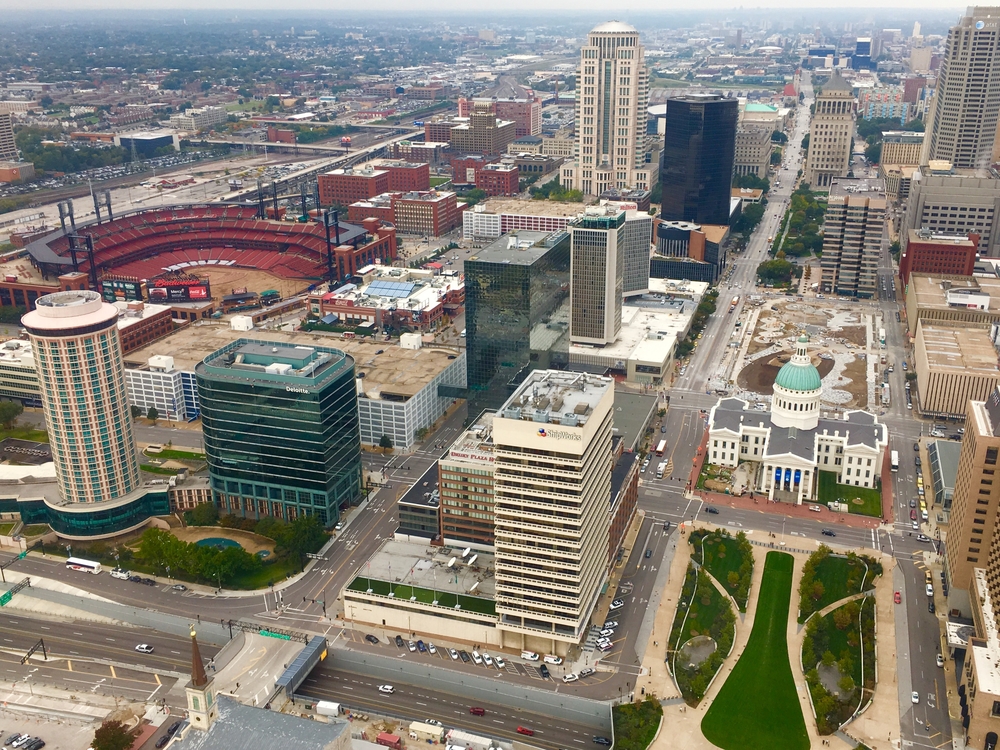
{"x":268,"y":633}
{"x":23,"y":555}
{"x":5,"y":598}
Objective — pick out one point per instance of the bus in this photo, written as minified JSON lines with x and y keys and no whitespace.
{"x":881,"y":337}
{"x":661,"y":447}
{"x":894,"y":459}
{"x":87,"y":566}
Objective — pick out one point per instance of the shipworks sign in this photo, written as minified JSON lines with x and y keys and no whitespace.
{"x":558,"y":434}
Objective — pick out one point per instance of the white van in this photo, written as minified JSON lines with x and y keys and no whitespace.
{"x":462,"y":334}
{"x":122,"y":574}
{"x":549,"y":659}
{"x":529,"y":655}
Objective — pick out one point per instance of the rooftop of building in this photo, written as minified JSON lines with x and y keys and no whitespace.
{"x":847,"y":186}
{"x":561,"y":397}
{"x":528,"y":140}
{"x":965,"y":351}
{"x":942,"y":292}
{"x":926,"y":237}
{"x":395,"y":372}
{"x":622,"y":468}
{"x":366,"y":171}
{"x":130,"y":313}
{"x":986,"y":652}
{"x":391,"y":288}
{"x":523,"y":207}
{"x":452,"y":570}
{"x":521,"y":247}
{"x":476,"y":443}
{"x":681,"y":287}
{"x":243,"y":727}
{"x":275,"y":361}
{"x":613,"y":27}
{"x":943,"y":456}
{"x":498,"y":167}
{"x":650,"y":330}
{"x":18,"y":353}
{"x":633,"y":412}
{"x":397,"y":164}
{"x":424,"y":491}
{"x":902,"y":136}
{"x":986,"y":415}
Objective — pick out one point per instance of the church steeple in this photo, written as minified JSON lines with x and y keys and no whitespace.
{"x":200,"y":694}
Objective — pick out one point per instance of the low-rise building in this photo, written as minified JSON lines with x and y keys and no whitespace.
{"x":16,"y":171}
{"x":689,"y":251}
{"x":343,"y":187}
{"x":897,"y":178}
{"x":954,"y":366}
{"x":158,"y":384}
{"x":18,"y":375}
{"x":141,"y":323}
{"x":489,"y":220}
{"x":188,"y":492}
{"x":951,"y":300}
{"x":199,"y":118}
{"x":420,"y":510}
{"x":926,"y":252}
{"x":901,"y":147}
{"x":410,"y":298}
{"x":426,"y":212}
{"x":498,"y":179}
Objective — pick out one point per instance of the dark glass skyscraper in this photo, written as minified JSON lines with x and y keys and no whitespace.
{"x":516,"y":313}
{"x":699,"y":151}
{"x":281,"y":429}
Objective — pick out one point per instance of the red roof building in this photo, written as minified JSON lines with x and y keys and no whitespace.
{"x":498,"y":179}
{"x":938,"y":254}
{"x":343,"y":187}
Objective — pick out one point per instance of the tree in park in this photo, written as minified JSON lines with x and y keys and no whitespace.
{"x":9,"y":412}
{"x":113,"y":735}
{"x":152,"y":414}
{"x":136,"y":411}
{"x":385,"y":442}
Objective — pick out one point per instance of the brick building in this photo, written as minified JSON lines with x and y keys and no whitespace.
{"x":465,"y":168}
{"x":938,"y":253}
{"x":405,"y":176}
{"x":346,"y":186}
{"x":277,"y":135}
{"x":428,"y":212}
{"x":483,"y":132}
{"x":498,"y":179}
{"x":438,"y":131}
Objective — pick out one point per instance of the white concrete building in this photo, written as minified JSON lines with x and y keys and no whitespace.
{"x":200,"y":118}
{"x":18,"y":376}
{"x":789,"y":446}
{"x":171,"y":391}
{"x":551,"y":487}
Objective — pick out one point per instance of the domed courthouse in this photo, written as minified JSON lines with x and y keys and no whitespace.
{"x":786,"y":448}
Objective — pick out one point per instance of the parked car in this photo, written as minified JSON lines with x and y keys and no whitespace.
{"x":172,"y":729}
{"x":453,"y":654}
{"x":897,"y":598}
{"x":163,"y":741}
{"x":587,"y":671}
{"x":610,"y":625}
{"x":372,"y":639}
{"x":411,"y":646}
{"x":421,"y":646}
{"x":179,"y":587}
{"x":930,"y":606}
{"x":465,"y":656}
{"x":544,"y":672}
{"x":915,"y":697}
{"x":399,"y":641}
{"x":499,"y":662}
{"x":940,"y":660}
{"x":571,"y":677}
{"x":431,"y":648}
{"x":930,"y":589}
{"x":617,"y":604}
{"x":549,"y":659}
{"x":712,"y":510}
{"x":529,"y":655}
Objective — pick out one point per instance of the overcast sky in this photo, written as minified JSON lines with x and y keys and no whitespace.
{"x":464,"y":8}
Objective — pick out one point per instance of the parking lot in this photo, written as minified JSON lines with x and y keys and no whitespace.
{"x":57,"y":734}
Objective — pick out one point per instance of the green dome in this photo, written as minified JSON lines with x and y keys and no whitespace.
{"x":795,"y":376}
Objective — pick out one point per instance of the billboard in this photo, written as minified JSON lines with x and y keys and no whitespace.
{"x":119,"y":290}
{"x":166,"y":291}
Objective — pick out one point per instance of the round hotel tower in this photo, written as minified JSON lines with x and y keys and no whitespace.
{"x":82,"y":379}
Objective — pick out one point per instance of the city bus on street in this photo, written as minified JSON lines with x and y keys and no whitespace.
{"x":86,"y":566}
{"x":661,"y":447}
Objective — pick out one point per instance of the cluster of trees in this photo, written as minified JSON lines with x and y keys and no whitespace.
{"x":852,"y":619}
{"x":636,"y":723}
{"x":701,"y":314}
{"x":778,"y":271}
{"x":113,"y":735}
{"x":161,"y":550}
{"x":51,"y":158}
{"x":307,"y":134}
{"x":693,"y":682}
{"x":750,"y":217}
{"x":751,"y":181}
{"x":554,"y":191}
{"x":295,"y":539}
{"x":812,"y":590}
{"x":804,"y":216}
{"x":474,"y":196}
{"x":737,"y":583}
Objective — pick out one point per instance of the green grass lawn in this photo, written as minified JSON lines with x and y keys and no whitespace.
{"x":830,"y":490}
{"x":25,"y":433}
{"x":259,"y":579}
{"x":35,"y":529}
{"x":839,"y":577}
{"x":722,"y":557}
{"x":833,"y":573}
{"x":426,"y":596}
{"x":757,"y":707}
{"x":6,"y":528}
{"x":435,"y":181}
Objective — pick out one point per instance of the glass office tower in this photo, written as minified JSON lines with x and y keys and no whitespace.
{"x":699,"y":151}
{"x":281,"y":429}
{"x":516,"y":313}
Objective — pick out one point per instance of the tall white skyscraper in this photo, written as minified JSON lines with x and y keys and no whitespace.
{"x":551,"y":484}
{"x":612,"y":98}
{"x":963,"y":116}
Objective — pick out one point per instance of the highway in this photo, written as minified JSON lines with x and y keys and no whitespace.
{"x":93,"y":657}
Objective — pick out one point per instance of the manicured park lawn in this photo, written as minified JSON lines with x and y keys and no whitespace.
{"x":839,"y":576}
{"x":829,"y":491}
{"x":757,"y":707}
{"x":168,"y":453}
{"x":724,"y":554}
